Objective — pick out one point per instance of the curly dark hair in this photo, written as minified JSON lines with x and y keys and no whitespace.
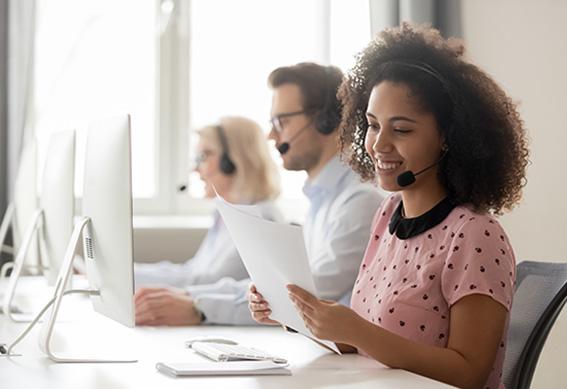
{"x":485,"y":165}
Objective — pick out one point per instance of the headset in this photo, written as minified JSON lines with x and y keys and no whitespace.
{"x":226,"y":165}
{"x":327,"y":118}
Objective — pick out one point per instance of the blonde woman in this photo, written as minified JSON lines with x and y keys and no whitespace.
{"x":234,"y":160}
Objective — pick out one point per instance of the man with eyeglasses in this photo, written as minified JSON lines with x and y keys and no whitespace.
{"x":305,"y":116}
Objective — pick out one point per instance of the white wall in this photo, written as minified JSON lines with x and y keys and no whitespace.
{"x":523,"y":45}
{"x":172,"y":238}
{"x":171,"y":244}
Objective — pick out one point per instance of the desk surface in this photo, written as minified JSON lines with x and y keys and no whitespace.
{"x":84,"y":333}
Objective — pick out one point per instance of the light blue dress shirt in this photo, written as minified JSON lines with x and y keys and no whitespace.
{"x":336,"y":231}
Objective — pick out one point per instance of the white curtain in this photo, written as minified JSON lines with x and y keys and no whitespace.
{"x":3,"y":105}
{"x":442,"y":14}
{"x":21,"y":37}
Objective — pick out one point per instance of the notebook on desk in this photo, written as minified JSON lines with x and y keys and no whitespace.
{"x":187,"y":369}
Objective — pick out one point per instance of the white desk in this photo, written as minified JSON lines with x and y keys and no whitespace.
{"x":89,"y":334}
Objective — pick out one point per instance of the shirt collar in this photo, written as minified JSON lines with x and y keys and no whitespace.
{"x":406,"y":228}
{"x":328,"y":179}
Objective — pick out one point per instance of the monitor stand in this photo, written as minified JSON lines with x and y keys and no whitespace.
{"x":18,"y":265}
{"x":7,"y":220}
{"x":61,"y":289}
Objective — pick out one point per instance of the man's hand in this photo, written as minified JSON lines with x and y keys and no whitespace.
{"x":165,"y":306}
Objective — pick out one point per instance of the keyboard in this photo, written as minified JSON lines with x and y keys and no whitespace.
{"x":228,"y":352}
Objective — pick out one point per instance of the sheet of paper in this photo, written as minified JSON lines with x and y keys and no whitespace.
{"x":223,"y":368}
{"x":274,"y":255}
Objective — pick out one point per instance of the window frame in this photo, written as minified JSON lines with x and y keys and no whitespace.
{"x":172,"y":127}
{"x":173,"y":139}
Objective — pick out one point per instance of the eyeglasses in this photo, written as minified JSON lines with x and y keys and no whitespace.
{"x":276,"y":121}
{"x":202,"y":157}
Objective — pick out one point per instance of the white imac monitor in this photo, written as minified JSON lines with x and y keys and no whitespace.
{"x":20,"y":211}
{"x":57,"y":200}
{"x":52,"y":222}
{"x":106,"y":229}
{"x":107,"y":202}
{"x":25,"y":200}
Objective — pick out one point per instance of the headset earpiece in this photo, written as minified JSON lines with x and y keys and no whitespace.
{"x":226,"y":165}
{"x":327,"y":119}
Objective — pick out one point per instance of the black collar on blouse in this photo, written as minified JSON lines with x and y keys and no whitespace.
{"x":406,"y":228}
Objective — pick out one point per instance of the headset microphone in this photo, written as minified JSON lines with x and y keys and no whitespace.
{"x":284,"y":147}
{"x":408,"y":177}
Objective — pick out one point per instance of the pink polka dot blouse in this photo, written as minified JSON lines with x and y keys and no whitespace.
{"x":407,"y":286}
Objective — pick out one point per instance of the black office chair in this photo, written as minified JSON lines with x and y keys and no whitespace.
{"x":541,"y":292}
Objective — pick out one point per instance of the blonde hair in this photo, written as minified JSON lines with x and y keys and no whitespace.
{"x":256,"y":178}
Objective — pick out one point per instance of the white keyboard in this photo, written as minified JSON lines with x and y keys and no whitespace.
{"x":229,"y":352}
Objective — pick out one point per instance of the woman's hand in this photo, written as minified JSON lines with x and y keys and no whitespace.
{"x":259,"y":308}
{"x":325,"y":319}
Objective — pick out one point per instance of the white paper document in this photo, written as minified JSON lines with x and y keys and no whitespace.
{"x":223,"y":368}
{"x":274,"y":255}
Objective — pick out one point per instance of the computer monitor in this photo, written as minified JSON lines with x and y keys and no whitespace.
{"x":20,"y":211}
{"x":26,"y":201}
{"x":57,"y":200}
{"x":52,"y":222}
{"x":106,"y":229}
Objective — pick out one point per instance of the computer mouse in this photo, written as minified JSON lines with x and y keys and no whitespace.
{"x":209,"y":339}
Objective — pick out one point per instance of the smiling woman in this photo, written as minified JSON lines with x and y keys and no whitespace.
{"x":401,"y":137}
{"x":435,"y":286}
{"x":476,"y":120}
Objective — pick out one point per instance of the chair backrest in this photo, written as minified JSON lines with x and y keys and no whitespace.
{"x":541,"y":292}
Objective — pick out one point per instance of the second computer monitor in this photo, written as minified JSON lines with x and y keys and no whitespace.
{"x":26,"y":200}
{"x":106,"y":230}
{"x":107,"y":202}
{"x":57,"y":200}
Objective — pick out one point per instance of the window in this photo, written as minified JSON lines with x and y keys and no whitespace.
{"x":96,"y":59}
{"x":176,"y":65}
{"x":235,"y":45}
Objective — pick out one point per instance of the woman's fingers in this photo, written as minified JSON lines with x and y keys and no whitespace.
{"x":257,"y":297}
{"x":302,"y":307}
{"x":301,"y":295}
{"x":263,"y":316}
{"x":259,"y":306}
{"x":254,"y":295}
{"x":254,"y":292}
